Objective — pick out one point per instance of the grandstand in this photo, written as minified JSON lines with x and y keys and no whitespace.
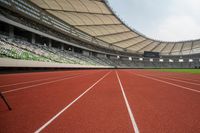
{"x":84,"y":32}
{"x":72,"y":66}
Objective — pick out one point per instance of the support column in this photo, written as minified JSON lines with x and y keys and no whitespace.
{"x":50,"y":43}
{"x":72,"y":49}
{"x":62,"y":46}
{"x":11,"y":31}
{"x":86,"y":53}
{"x":91,"y":54}
{"x":33,"y":38}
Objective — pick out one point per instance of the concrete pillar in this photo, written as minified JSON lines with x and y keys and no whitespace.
{"x":50,"y":43}
{"x":86,"y":53}
{"x":62,"y":46}
{"x":33,"y":38}
{"x":72,"y":49}
{"x":90,"y":53}
{"x":11,"y":31}
{"x":101,"y":55}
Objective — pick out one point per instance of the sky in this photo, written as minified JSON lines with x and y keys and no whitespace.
{"x":166,"y":20}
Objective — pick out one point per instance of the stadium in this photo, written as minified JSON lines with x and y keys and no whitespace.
{"x":74,"y":66}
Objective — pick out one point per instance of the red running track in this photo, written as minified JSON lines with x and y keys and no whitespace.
{"x":122,"y":101}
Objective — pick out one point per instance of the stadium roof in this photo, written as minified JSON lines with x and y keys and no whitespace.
{"x":97,"y":19}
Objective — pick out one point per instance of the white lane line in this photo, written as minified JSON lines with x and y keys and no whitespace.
{"x":59,"y":113}
{"x":188,"y":80}
{"x":183,"y":87}
{"x":176,"y":80}
{"x":26,"y":87}
{"x":135,"y":127}
{"x":32,"y":81}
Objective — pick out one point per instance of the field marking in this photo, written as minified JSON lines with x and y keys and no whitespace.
{"x":43,"y":79}
{"x":70,"y":104}
{"x":176,"y":80}
{"x":134,"y":124}
{"x":183,"y":87}
{"x":26,"y":87}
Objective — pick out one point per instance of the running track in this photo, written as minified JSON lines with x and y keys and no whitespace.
{"x":101,"y":101}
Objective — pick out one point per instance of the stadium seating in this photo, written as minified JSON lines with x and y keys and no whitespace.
{"x":19,"y":49}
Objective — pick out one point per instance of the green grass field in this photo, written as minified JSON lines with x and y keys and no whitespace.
{"x":193,"y":71}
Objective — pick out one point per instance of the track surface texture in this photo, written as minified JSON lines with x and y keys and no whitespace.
{"x":100,"y":101}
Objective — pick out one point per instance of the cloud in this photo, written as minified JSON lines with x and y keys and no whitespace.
{"x":182,"y":22}
{"x":176,"y":28}
{"x":170,"y":20}
{"x":190,"y":7}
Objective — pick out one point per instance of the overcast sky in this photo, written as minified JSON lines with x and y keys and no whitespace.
{"x":167,"y":20}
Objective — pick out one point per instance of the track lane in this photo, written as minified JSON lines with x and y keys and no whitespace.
{"x":159,"y":107}
{"x":179,"y":86}
{"x":191,"y":86}
{"x":33,"y":107}
{"x":182,"y":81}
{"x":180,"y":76}
{"x":133,"y":121}
{"x":183,"y":78}
{"x":8,"y":79}
{"x":31,"y":81}
{"x":195,"y":86}
{"x":101,"y":110}
{"x":28,"y":85}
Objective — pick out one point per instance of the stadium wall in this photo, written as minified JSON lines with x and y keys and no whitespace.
{"x":5,"y":62}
